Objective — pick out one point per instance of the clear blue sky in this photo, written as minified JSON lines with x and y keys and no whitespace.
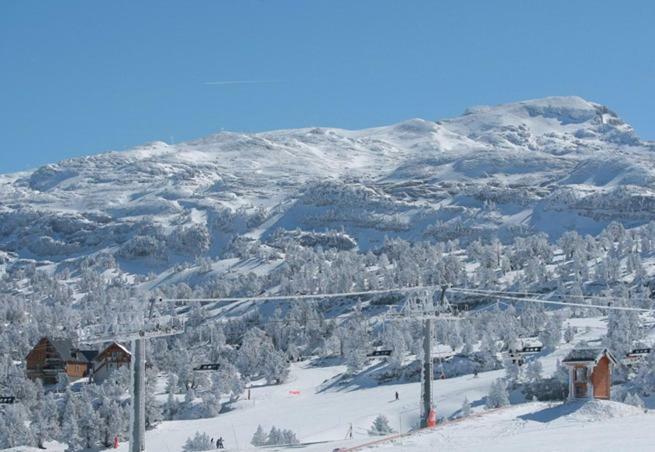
{"x":80,"y":77}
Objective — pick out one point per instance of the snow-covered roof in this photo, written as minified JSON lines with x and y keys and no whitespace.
{"x":64,"y":347}
{"x":122,"y":347}
{"x":105,"y":351}
{"x":588,"y":354}
{"x":531,"y":342}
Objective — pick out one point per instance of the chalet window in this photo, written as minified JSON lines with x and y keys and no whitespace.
{"x":581,"y":374}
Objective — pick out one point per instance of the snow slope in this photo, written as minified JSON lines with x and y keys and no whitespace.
{"x":320,"y":407}
{"x":320,"y":413}
{"x":539,"y":426}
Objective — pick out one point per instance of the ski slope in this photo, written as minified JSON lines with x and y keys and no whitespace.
{"x":320,"y":407}
{"x":536,"y":426}
{"x":319,"y":412}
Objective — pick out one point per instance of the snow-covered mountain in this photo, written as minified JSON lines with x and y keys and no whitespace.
{"x":297,"y":212}
{"x":549,"y":165}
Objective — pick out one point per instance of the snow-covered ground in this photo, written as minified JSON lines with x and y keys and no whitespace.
{"x":537,"y":426}
{"x":320,"y":407}
{"x":319,"y":412}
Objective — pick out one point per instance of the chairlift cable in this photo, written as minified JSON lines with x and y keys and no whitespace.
{"x":550,"y":302}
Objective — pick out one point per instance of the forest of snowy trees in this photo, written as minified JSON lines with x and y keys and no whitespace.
{"x":258,"y":346}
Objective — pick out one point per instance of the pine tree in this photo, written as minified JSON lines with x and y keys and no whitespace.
{"x":153,"y":409}
{"x":114,"y":421}
{"x":44,"y":423}
{"x":274,"y":437}
{"x":551,"y":335}
{"x":70,"y":429}
{"x":622,"y":326}
{"x":634,"y":400}
{"x":171,"y":407}
{"x":569,"y":334}
{"x":172,"y":383}
{"x":275,"y":368}
{"x":89,"y":421}
{"x":534,"y":371}
{"x":288,"y":437}
{"x":380,"y":426}
{"x":227,"y":381}
{"x":498,"y":396}
{"x":355,"y":342}
{"x":13,"y":427}
{"x":466,"y":407}
{"x":199,"y":442}
{"x":512,"y":370}
{"x":211,"y":404}
{"x":259,"y":438}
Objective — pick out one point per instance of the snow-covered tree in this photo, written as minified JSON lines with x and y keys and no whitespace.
{"x":171,"y":406}
{"x":354,"y":342}
{"x":623,"y":327}
{"x":569,"y":334}
{"x":380,"y":426}
{"x":199,"y":442}
{"x":89,"y":421}
{"x":534,"y":370}
{"x":259,"y":438}
{"x":226,"y":381}
{"x":153,"y":409}
{"x":113,"y":423}
{"x":275,"y":368}
{"x":258,"y":357}
{"x":634,"y":400}
{"x":288,"y":437}
{"x":466,"y":408}
{"x":14,"y":430}
{"x":498,"y":395}
{"x":44,"y":424}
{"x":551,"y":335}
{"x":70,"y":428}
{"x":512,"y":371}
{"x":274,"y":437}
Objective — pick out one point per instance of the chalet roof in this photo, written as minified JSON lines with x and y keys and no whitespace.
{"x":531,"y":342}
{"x":100,"y":355}
{"x":588,"y":354}
{"x":89,"y":354}
{"x":65,"y":349}
{"x":122,"y":347}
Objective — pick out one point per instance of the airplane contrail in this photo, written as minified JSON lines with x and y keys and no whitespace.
{"x":240,"y":82}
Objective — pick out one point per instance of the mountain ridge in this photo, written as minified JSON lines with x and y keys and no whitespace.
{"x":542,"y":165}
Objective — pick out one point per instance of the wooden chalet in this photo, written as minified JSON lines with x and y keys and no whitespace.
{"x":590,"y":373}
{"x":52,"y":357}
{"x":110,"y":359}
{"x":518,"y":352}
{"x":636,"y":356}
